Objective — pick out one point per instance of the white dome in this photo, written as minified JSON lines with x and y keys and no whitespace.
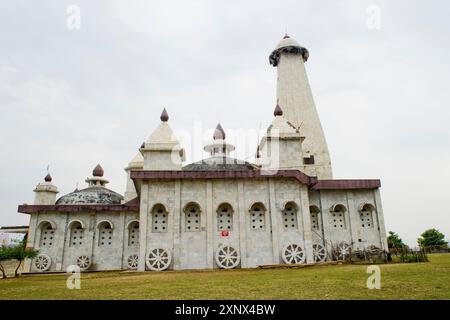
{"x":287,"y":42}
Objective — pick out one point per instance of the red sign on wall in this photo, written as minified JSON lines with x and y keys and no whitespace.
{"x":225,"y":233}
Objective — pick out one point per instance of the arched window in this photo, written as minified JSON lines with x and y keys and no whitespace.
{"x":314,"y":212}
{"x":159,"y":218}
{"x":76,"y":234}
{"x":366,"y":215}
{"x":105,"y":234}
{"x":337,"y":216}
{"x":47,"y":235}
{"x":257,"y":217}
{"x":192,"y":216}
{"x":290,"y":216}
{"x":225,"y":217}
{"x":133,"y":233}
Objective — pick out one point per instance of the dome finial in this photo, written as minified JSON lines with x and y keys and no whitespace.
{"x":164,"y":116}
{"x":278,"y":111}
{"x":219,"y":133}
{"x":48,"y":178}
{"x":98,"y":171}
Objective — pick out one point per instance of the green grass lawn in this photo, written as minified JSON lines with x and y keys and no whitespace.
{"x":398,"y":281}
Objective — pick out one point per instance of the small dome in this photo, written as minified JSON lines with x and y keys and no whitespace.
{"x":287,"y":45}
{"x":48,"y":178}
{"x":278,"y":111}
{"x":219,"y":133}
{"x":91,"y":195}
{"x":287,"y":42}
{"x":98,"y":171}
{"x":164,"y":116}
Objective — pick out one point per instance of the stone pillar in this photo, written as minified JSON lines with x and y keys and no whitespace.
{"x":177,"y":211}
{"x":243,"y":215}
{"x":306,"y":219}
{"x":143,"y":218}
{"x":380,"y":215}
{"x":274,"y":218}
{"x":353,"y":219}
{"x":209,"y":226}
{"x":63,"y":234}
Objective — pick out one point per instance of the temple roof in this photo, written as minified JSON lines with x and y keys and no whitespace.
{"x":91,"y":195}
{"x":220,"y":163}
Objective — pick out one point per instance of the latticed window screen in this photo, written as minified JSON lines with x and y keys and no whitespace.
{"x":225,"y":218}
{"x":192,"y":218}
{"x":159,"y":216}
{"x":290,"y":217}
{"x":337,"y":217}
{"x":366,"y":216}
{"x":76,"y":235}
{"x":47,"y":236}
{"x":133,"y":234}
{"x":315,"y":224}
{"x":105,"y":235}
{"x":257,"y":217}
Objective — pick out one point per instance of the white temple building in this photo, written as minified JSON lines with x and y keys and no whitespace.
{"x":220,"y":212}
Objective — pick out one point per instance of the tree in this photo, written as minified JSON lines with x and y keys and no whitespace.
{"x":20,"y":252}
{"x":17,"y":252}
{"x":5,"y":254}
{"x":432,"y":237}
{"x":394,"y":241}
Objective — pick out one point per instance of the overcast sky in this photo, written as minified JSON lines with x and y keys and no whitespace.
{"x":72,"y":98}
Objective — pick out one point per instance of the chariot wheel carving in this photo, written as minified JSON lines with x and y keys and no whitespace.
{"x":227,"y":257}
{"x":42,"y":262}
{"x":158,"y":259}
{"x":133,"y":262}
{"x":83,"y":262}
{"x":343,"y":250}
{"x":318,"y":253}
{"x":293,"y":253}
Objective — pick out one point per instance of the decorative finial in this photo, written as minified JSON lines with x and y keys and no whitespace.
{"x":48,"y":178}
{"x":286,"y":36}
{"x":164,"y":116}
{"x":258,"y":153}
{"x":278,"y":111}
{"x":98,"y":171}
{"x":219,"y":133}
{"x":143,"y":145}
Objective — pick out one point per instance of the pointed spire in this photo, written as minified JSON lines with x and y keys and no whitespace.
{"x":164,"y":116}
{"x":98,"y":171}
{"x":286,"y":36}
{"x":48,"y":178}
{"x":219,"y":133}
{"x":278,"y":111}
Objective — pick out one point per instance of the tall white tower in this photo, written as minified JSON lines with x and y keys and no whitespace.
{"x":295,"y":98}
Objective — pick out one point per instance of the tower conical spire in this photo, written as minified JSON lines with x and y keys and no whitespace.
{"x":295,"y":96}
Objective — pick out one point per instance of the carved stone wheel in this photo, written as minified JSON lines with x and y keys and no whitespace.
{"x":293,"y":253}
{"x":42,"y":262}
{"x":343,"y":250}
{"x":318,"y":253}
{"x":133,"y":262}
{"x":84,"y":262}
{"x":227,"y":257}
{"x":158,"y":259}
